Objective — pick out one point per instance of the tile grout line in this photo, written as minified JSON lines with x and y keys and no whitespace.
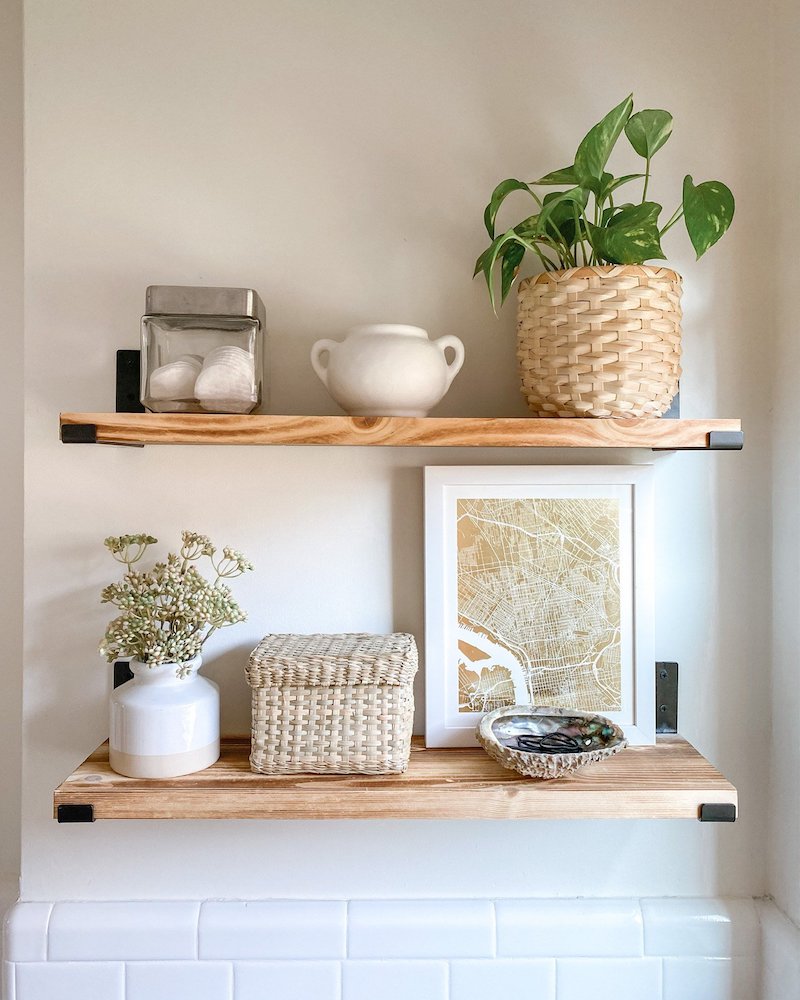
{"x":644,"y":926}
{"x":46,"y":939}
{"x":197,"y":931}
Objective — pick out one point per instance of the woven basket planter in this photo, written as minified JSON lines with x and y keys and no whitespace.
{"x":600,"y":341}
{"x":332,"y":704}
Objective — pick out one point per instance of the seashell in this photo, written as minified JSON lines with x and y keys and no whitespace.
{"x":229,"y":353}
{"x":548,"y":742}
{"x":174,"y":380}
{"x":227,"y":382}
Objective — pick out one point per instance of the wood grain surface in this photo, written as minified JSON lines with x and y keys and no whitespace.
{"x":668,"y":781}
{"x":472,"y":432}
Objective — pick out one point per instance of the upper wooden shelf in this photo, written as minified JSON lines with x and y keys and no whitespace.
{"x":670,"y":780}
{"x":469,"y":432}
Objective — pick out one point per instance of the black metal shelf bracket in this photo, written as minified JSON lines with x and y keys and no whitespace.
{"x":715,"y":441}
{"x":79,"y":434}
{"x":666,"y":697}
{"x":717,"y":812}
{"x":725,"y":440}
{"x":75,"y":813}
{"x":129,"y":365}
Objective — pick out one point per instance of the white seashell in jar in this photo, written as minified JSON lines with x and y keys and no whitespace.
{"x":227,"y":382}
{"x":228,"y":352}
{"x":175,"y":380}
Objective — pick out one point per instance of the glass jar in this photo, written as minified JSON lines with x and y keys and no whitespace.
{"x":203,"y":350}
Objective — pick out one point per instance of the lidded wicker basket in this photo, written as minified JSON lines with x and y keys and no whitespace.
{"x":600,"y":341}
{"x":332,"y":704}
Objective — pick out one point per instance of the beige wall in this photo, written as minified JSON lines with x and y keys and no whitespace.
{"x":11,"y":407}
{"x":337,"y":157}
{"x":784,"y":865}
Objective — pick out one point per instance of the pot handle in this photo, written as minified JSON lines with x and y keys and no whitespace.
{"x":455,"y":365}
{"x":319,"y":348}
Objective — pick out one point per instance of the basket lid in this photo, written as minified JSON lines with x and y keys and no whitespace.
{"x":328,"y":659}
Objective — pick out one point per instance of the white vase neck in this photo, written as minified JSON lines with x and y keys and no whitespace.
{"x":164,"y":673}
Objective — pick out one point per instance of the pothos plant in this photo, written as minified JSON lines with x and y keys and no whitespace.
{"x":170,"y":611}
{"x":591,"y":222}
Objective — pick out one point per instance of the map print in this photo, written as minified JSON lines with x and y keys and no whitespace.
{"x":539,"y":603}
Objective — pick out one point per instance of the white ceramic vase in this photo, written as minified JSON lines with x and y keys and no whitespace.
{"x":387,"y":370}
{"x":162,"y":725}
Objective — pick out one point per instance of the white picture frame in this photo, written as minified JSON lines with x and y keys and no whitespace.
{"x":630,"y":490}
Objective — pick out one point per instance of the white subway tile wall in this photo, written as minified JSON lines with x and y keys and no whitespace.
{"x":699,"y":978}
{"x":70,"y":980}
{"x":624,"y":978}
{"x":86,"y":932}
{"x":690,"y":927}
{"x":171,"y":980}
{"x":392,"y":980}
{"x":280,"y":929}
{"x":25,"y":934}
{"x":549,"y":949}
{"x":8,"y":987}
{"x":780,"y":954}
{"x":298,"y":980}
{"x":503,"y":977}
{"x":569,"y":927}
{"x":447,"y":928}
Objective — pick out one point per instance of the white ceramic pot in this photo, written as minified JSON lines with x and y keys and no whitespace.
{"x":387,"y":370}
{"x":162,"y":725}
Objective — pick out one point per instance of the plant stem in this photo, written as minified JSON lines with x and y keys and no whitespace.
{"x":579,"y":232}
{"x":536,"y":198}
{"x":646,"y":179}
{"x":677,"y":214}
{"x":534,"y":246}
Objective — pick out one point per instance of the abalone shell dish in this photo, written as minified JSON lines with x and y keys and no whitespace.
{"x":544,"y":742}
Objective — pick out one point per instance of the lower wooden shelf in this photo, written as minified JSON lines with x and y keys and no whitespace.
{"x":670,"y":780}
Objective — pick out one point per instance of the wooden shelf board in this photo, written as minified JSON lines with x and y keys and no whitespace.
{"x":668,"y":781}
{"x":509,"y":432}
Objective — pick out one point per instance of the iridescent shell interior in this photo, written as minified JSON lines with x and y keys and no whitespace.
{"x":555,"y":734}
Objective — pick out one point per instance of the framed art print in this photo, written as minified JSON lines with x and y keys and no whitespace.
{"x":539,"y":590}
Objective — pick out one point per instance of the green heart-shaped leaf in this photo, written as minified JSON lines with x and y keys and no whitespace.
{"x":499,"y":195}
{"x":631,"y":236}
{"x":617,"y":182}
{"x":597,"y":184}
{"x":481,"y":260}
{"x":560,"y":221}
{"x":609,"y":213}
{"x":488,"y":259}
{"x":552,"y":205}
{"x":707,"y":211}
{"x":512,"y":255}
{"x":648,"y":130}
{"x":596,"y":146}
{"x":528,"y":229}
{"x":566,"y":175}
